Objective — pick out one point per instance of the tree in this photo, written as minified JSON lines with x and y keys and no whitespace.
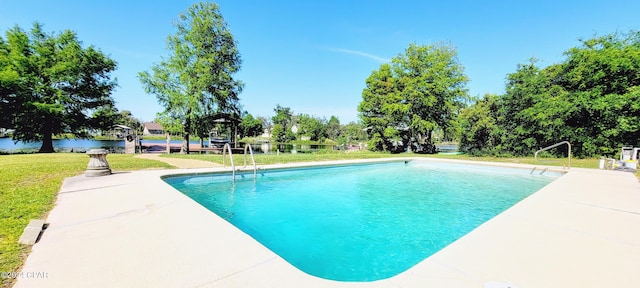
{"x":380,"y":109}
{"x":126,"y":118}
{"x":282,"y":123}
{"x":432,"y":86}
{"x":50,"y":85}
{"x":352,"y":132}
{"x":9,"y":84}
{"x":172,"y":126}
{"x":278,"y":133}
{"x":108,"y":116}
{"x":602,"y":78}
{"x":196,"y":80}
{"x":526,"y":89}
{"x":283,"y":116}
{"x":405,"y":101}
{"x":203,"y":124}
{"x":266,"y":123}
{"x":480,"y":132}
{"x":105,"y":117}
{"x":250,"y":126}
{"x":333,"y":128}
{"x":312,"y":127}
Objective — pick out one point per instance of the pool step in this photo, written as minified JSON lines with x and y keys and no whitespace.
{"x":541,"y":171}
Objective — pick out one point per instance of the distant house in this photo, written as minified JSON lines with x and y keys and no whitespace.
{"x":152,"y":128}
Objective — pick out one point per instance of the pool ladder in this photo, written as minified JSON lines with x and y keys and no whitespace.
{"x":233,"y":166}
{"x":253,"y":160}
{"x":554,"y":146}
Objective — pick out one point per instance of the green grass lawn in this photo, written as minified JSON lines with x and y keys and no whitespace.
{"x":28,"y":187}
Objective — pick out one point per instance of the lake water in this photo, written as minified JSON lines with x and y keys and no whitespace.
{"x":7,"y":145}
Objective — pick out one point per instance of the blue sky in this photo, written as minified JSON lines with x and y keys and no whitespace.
{"x":314,"y":56}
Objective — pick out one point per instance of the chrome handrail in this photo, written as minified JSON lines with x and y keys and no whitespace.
{"x":553,"y":146}
{"x":233,"y":166}
{"x":255,"y":168}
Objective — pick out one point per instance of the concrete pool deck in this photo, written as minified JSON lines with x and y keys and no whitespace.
{"x":131,"y":229}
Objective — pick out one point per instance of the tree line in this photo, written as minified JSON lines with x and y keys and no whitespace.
{"x":285,"y":126}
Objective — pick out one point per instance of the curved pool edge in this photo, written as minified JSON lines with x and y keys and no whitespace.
{"x":134,"y":230}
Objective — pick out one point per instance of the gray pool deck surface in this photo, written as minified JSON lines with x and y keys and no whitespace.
{"x":131,"y":229}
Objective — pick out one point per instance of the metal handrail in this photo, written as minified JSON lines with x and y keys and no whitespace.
{"x":556,"y":145}
{"x":233,"y":166}
{"x":255,"y":168}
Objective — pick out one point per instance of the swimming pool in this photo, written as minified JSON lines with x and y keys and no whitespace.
{"x":361,"y":222}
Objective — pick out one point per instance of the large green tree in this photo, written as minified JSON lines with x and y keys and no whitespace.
{"x":51,"y":85}
{"x":432,"y":84}
{"x":404,"y":102}
{"x":196,"y":80}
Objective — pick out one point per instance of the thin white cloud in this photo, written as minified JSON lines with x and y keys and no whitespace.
{"x":360,"y":53}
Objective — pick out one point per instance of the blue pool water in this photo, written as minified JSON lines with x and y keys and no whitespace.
{"x":361,"y":222}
